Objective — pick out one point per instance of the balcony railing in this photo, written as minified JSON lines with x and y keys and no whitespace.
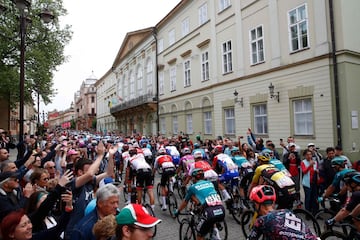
{"x":147,"y":98}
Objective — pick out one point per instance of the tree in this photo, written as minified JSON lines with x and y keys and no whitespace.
{"x":45,"y":45}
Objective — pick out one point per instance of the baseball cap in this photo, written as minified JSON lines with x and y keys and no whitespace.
{"x":105,"y":181}
{"x":71,"y":152}
{"x":311,"y":145}
{"x":292,"y":144}
{"x":136,"y":214}
{"x":5,"y":175}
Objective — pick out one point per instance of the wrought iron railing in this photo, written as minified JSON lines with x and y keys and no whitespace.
{"x":147,"y":98}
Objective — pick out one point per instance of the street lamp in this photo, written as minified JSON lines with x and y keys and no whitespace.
{"x":46,"y":16}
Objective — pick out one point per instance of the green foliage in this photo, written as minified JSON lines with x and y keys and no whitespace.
{"x":45,"y":45}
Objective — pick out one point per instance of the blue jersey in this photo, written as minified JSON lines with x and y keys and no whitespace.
{"x":339,"y":176}
{"x":205,"y":192}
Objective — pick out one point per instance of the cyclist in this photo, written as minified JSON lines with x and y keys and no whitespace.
{"x":185,"y":162}
{"x":268,"y":174}
{"x":144,"y":177}
{"x":226,"y":168}
{"x":165,"y":163}
{"x":202,"y":193}
{"x":276,"y":162}
{"x":352,"y":182}
{"x":174,"y":153}
{"x":246,"y":172}
{"x":147,"y":152}
{"x":337,"y":186}
{"x":275,"y":224}
{"x":210,"y":174}
{"x":197,"y":147}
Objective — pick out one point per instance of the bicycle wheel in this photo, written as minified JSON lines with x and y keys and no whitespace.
{"x":172,"y":204}
{"x":321,"y":216}
{"x":330,"y":234}
{"x":236,"y":210}
{"x":186,"y":231}
{"x":151,"y":212}
{"x":181,"y":192}
{"x":158,"y":194}
{"x":223,"y":230}
{"x":309,"y":220}
{"x":245,"y":223}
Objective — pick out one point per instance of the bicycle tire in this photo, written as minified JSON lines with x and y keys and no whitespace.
{"x":331,"y":234}
{"x":322,"y":215}
{"x":181,"y":192}
{"x":246,"y":221}
{"x":158,"y":194}
{"x":152,"y":213}
{"x":235,"y":207}
{"x":309,"y":219}
{"x":172,"y":204}
{"x":186,"y":230}
{"x":223,"y":230}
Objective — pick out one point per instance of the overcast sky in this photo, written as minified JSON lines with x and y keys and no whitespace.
{"x":99,"y":28}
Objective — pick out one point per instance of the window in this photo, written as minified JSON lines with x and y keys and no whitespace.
{"x":260,"y":119}
{"x":126,"y":96}
{"x":303,"y":117}
{"x":93,"y":111}
{"x":132,"y":85}
{"x":227,"y":57}
{"x":139,"y":78}
{"x":162,"y":125}
{"x":187,"y":80}
{"x":175,"y":125}
{"x":205,"y":66}
{"x":257,"y":45}
{"x":160,"y":45}
{"x":203,"y":14}
{"x":229,"y":121}
{"x":171,"y":37}
{"x":223,"y":4}
{"x":173,"y":79}
{"x":189,"y":124}
{"x":185,"y":28}
{"x":149,"y":73}
{"x":207,"y":123}
{"x":161,"y":83}
{"x":92,"y":99}
{"x":298,"y":28}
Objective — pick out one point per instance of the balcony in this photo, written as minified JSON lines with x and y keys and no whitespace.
{"x":147,"y":100}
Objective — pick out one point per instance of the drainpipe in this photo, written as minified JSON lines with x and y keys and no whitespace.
{"x":154,"y":33}
{"x":335,"y":72}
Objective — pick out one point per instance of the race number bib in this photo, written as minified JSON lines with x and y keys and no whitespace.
{"x":213,"y":200}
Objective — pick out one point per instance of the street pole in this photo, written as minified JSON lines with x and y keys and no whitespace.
{"x":22,"y":77}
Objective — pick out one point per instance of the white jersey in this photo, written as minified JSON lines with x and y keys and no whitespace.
{"x":147,"y":152}
{"x":138,"y":162}
{"x":225,"y":161}
{"x":172,"y":150}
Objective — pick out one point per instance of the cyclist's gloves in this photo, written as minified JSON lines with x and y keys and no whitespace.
{"x":330,"y":222}
{"x":320,"y":199}
{"x":176,"y":212}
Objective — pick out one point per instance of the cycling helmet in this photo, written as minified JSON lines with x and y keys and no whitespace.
{"x":162,"y":150}
{"x":196,"y":145}
{"x":198,"y":173}
{"x":352,"y":177}
{"x":263,"y":194}
{"x":267,"y":153}
{"x":186,"y":150}
{"x":263,"y":158}
{"x":234,"y":149}
{"x":197,"y":154}
{"x":218,"y":148}
{"x":337,"y":161}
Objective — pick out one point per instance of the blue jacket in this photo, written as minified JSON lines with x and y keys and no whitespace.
{"x":83,"y":229}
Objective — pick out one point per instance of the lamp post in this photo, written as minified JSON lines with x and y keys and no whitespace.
{"x":46,"y":16}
